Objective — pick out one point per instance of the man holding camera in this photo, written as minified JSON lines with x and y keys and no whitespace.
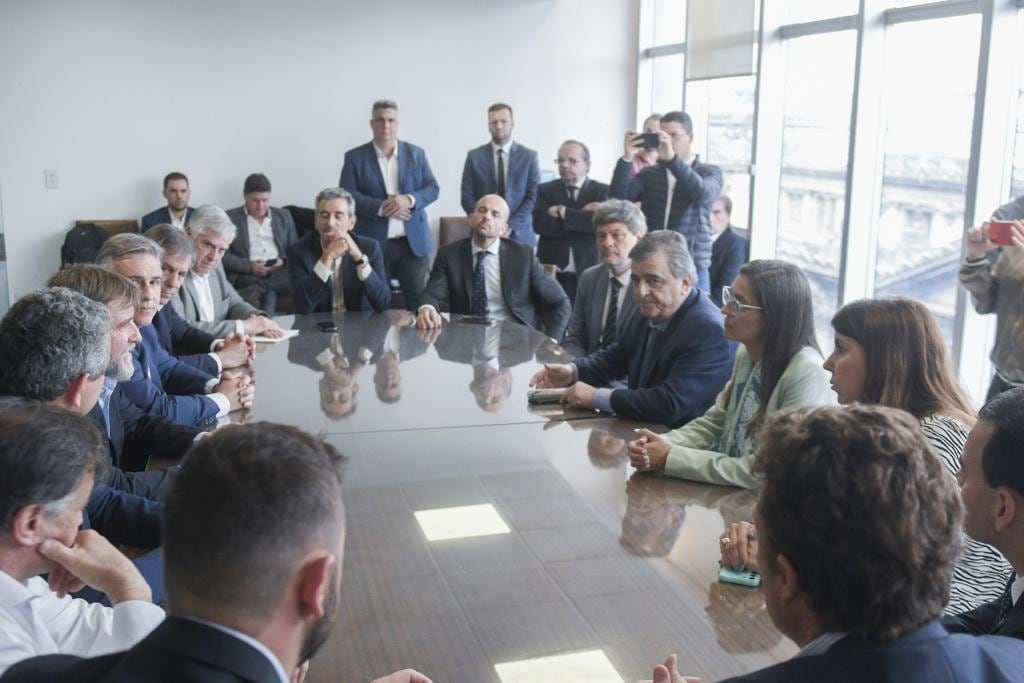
{"x":677,"y":192}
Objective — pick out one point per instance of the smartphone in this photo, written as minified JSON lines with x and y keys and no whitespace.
{"x":270,"y":262}
{"x":1001,"y":232}
{"x":327,"y":326}
{"x":647,"y":141}
{"x":743,"y":577}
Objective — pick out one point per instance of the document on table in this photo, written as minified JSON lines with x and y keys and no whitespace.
{"x":288,"y":334}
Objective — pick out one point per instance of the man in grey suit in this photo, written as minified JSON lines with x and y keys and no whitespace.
{"x":255,"y":262}
{"x":207,"y":300}
{"x":603,"y":303}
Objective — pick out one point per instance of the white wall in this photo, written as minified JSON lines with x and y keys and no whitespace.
{"x":115,"y":93}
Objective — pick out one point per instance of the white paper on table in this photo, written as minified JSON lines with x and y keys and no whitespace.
{"x":288,"y":334}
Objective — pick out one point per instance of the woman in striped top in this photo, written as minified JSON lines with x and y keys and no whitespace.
{"x":890,"y":352}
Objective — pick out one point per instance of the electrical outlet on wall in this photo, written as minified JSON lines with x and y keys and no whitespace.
{"x":51,"y":178}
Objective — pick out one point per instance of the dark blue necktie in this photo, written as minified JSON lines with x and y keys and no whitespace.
{"x":478,"y":306}
{"x":610,"y":332}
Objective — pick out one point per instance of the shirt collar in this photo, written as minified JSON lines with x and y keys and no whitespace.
{"x":507,"y":147}
{"x":198,"y":277}
{"x":382,"y":155}
{"x":248,"y":640}
{"x":249,"y":215}
{"x":493,"y":249}
{"x":623,"y":278}
{"x":14,"y":592}
{"x":820,"y":645}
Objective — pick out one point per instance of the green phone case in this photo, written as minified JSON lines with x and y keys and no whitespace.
{"x":743,"y":577}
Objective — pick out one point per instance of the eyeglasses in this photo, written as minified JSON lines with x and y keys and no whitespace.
{"x":731,"y":305}
{"x":570,"y":161}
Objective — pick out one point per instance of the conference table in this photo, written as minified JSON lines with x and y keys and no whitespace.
{"x":490,"y":540}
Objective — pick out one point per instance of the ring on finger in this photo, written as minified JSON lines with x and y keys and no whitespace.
{"x":724,"y":541}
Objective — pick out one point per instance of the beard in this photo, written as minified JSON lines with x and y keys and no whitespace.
{"x":122,"y":368}
{"x":321,"y":629}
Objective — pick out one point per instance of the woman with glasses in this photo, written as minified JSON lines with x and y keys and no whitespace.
{"x":768,"y":311}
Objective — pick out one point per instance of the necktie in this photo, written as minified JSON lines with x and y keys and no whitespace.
{"x":570,"y":190}
{"x":650,"y":358}
{"x":337,"y":286}
{"x":1005,"y":604}
{"x":610,"y":332}
{"x":478,"y":305}
{"x":501,"y":173}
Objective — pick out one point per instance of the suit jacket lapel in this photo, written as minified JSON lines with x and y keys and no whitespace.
{"x":503,"y":273}
{"x":489,"y":158}
{"x":371,"y":153}
{"x":597,"y":310}
{"x":189,"y":299}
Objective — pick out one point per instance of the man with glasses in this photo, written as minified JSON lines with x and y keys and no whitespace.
{"x":674,"y":355}
{"x":677,"y":192}
{"x":563,"y":216}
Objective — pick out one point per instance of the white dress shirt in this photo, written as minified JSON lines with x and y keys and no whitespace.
{"x":178,"y":222}
{"x":205,"y":294}
{"x":261,"y":238}
{"x":389,"y":171}
{"x":249,"y":640}
{"x":496,"y":307}
{"x":34,"y":621}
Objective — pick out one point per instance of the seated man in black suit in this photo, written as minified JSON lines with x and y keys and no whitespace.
{"x":177,"y":212}
{"x":728,"y":248}
{"x":253,"y":596}
{"x":187,"y":342}
{"x":496,"y":278}
{"x":992,"y":486}
{"x":334,"y":269}
{"x":563,"y":215}
{"x":858,"y":530}
{"x":256,"y":260}
{"x":674,"y":354}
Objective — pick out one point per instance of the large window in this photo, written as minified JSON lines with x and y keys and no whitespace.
{"x":928,"y":117}
{"x":815,"y":146}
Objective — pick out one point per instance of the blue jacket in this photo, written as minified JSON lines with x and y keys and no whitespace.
{"x":479,"y":178}
{"x":188,"y":343}
{"x":313,"y":295}
{"x":157,"y":374}
{"x":161,"y":215}
{"x":361,"y":176}
{"x":697,"y":188}
{"x":694,"y":362}
{"x":926,"y":655}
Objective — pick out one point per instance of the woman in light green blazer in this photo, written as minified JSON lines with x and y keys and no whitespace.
{"x":768,"y":310}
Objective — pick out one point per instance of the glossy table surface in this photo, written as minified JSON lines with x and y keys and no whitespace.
{"x":561,"y":552}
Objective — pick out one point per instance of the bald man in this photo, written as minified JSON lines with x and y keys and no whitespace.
{"x":489,"y":276}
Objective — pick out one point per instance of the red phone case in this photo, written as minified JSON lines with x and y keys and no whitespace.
{"x":1000,"y":232}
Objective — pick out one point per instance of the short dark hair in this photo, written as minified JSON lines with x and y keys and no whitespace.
{"x":855,"y":499}
{"x":174,"y":175}
{"x":174,"y":241}
{"x":44,"y":453}
{"x":498,"y":106}
{"x":256,"y":182}
{"x":680,"y":117}
{"x":726,"y":203}
{"x":1002,"y":459}
{"x":99,"y":284}
{"x":247,"y":505}
{"x":48,"y":339}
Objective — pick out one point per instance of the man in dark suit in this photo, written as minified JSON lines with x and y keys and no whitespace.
{"x":497,"y":278}
{"x":189,"y":343}
{"x":252,"y":597}
{"x":677,"y":192}
{"x":393,"y":185}
{"x":674,"y":355}
{"x":728,"y":249}
{"x":504,"y":168}
{"x":255,"y":262}
{"x":857,"y":531}
{"x":992,"y":487}
{"x":334,"y":269}
{"x":177,"y":212}
{"x":603,"y":301}
{"x":563,"y":216}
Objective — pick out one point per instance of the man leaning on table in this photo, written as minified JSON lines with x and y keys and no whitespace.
{"x":674,"y":355}
{"x":253,"y":597}
{"x":858,"y":530}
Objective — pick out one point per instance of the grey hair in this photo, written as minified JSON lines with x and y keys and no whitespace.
{"x":174,"y":241}
{"x":125,"y":244}
{"x":621,"y":211}
{"x":48,"y":339}
{"x":586,"y":150}
{"x":210,"y":217}
{"x":680,"y":263}
{"x":336,"y":193}
{"x":383,"y":104}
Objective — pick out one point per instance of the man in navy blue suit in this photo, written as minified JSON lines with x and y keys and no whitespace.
{"x":177,"y":212}
{"x":857,"y":531}
{"x":728,"y":249}
{"x":393,"y":185}
{"x":504,"y":168}
{"x":334,"y":269}
{"x":674,"y":355}
{"x":992,"y":486}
